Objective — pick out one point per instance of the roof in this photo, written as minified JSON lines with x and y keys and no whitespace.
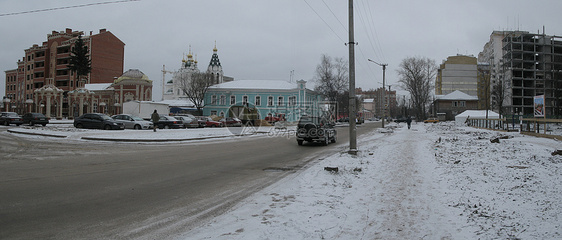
{"x":178,"y":103}
{"x":256,"y":84}
{"x":97,"y":86}
{"x":133,"y":74}
{"x":456,"y":95}
{"x":478,"y":114}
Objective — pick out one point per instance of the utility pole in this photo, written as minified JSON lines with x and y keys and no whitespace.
{"x":352,"y":110}
{"x":383,"y":65}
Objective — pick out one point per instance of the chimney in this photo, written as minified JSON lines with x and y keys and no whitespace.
{"x":68,"y":30}
{"x":103,"y":30}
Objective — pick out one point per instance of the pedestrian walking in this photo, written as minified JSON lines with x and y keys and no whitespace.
{"x":409,"y":122}
{"x":155,"y":118}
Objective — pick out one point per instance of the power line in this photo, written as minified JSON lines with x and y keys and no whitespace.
{"x":67,"y":7}
{"x":324,"y":21}
{"x":335,"y":16}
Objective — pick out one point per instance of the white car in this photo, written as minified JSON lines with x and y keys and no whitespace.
{"x":133,"y":122}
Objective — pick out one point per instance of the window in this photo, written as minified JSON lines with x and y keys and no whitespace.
{"x":223,"y":100}
{"x":214,"y":100}
{"x":292,"y":101}
{"x":462,"y":103}
{"x":455,"y":104}
{"x":232,"y":100}
{"x":280,"y":101}
{"x":270,"y":101}
{"x":244,"y":100}
{"x":257,"y":101}
{"x":213,"y":113}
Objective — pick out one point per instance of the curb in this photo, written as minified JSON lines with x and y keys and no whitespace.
{"x":39,"y":134}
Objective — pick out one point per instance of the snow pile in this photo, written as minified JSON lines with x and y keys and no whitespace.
{"x":436,"y":181}
{"x":509,"y":189}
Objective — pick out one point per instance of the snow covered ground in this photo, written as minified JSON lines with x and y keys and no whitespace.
{"x":66,"y":131}
{"x":435,"y":181}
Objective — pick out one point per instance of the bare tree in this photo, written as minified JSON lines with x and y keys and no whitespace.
{"x":332,"y":77}
{"x":195,"y":85}
{"x":498,"y":94}
{"x":416,"y":76}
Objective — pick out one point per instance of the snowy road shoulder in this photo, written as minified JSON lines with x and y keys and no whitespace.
{"x":434,"y":181}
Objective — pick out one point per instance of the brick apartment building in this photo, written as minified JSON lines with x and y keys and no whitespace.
{"x":42,"y":79}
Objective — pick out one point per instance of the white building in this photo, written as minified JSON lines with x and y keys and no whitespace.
{"x":172,"y":89}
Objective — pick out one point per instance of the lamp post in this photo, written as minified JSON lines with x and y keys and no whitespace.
{"x":6,"y":103}
{"x":383,"y":65}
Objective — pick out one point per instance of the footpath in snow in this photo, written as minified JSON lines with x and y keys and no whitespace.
{"x":434,"y":181}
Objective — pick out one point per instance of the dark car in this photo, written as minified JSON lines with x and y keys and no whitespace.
{"x":97,"y":121}
{"x":8,"y":118}
{"x":167,"y":122}
{"x":402,"y":119}
{"x":35,"y":118}
{"x":315,"y":129}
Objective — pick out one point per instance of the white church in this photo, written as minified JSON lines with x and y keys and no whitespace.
{"x":171,"y":90}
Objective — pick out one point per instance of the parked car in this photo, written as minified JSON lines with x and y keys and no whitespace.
{"x":133,"y":122}
{"x":97,"y":121}
{"x":431,"y":120}
{"x":401,"y":119}
{"x":315,"y":129}
{"x":188,"y":122}
{"x":167,"y":122}
{"x":35,"y":118}
{"x":209,"y":122}
{"x":231,"y":122}
{"x":8,"y":118}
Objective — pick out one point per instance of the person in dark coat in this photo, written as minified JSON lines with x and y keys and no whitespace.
{"x":155,"y":118}
{"x":409,"y":122}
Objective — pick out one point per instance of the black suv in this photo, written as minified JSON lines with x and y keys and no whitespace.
{"x":315,"y":129}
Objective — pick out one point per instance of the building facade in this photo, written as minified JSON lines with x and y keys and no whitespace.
{"x":532,"y":66}
{"x":263,"y":98}
{"x":452,"y":104}
{"x":457,"y":73}
{"x":45,"y":67}
{"x":108,"y":98}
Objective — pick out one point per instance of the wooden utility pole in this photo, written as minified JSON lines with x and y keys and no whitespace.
{"x":352,"y":101}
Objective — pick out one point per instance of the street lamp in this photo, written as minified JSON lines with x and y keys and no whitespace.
{"x":383,"y":65}
{"x":6,"y":103}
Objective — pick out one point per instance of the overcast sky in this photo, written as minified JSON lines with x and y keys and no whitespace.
{"x":266,"y":39}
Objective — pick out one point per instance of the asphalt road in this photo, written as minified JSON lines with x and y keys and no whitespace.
{"x":57,"y":189}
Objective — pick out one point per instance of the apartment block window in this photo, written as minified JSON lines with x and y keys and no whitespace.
{"x":223,"y":100}
{"x":270,"y":101}
{"x":232,"y":100}
{"x":280,"y":101}
{"x":258,"y":101}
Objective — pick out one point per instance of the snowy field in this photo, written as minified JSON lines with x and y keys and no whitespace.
{"x":435,"y":181}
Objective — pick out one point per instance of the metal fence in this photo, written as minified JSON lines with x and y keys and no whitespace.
{"x":532,"y":126}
